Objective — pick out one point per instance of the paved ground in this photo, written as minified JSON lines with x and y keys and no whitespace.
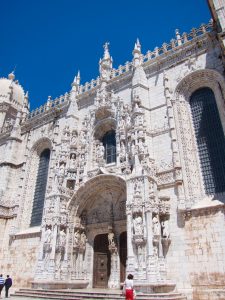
{"x":21,"y":298}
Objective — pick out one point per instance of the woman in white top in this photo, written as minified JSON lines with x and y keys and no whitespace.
{"x":128,"y":287}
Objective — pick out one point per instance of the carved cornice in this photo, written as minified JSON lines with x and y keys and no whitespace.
{"x":44,"y":117}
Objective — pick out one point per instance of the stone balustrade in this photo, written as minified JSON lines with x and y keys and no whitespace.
{"x":173,"y":45}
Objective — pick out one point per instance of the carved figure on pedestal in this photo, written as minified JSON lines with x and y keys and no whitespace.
{"x":111,"y":239}
{"x":122,"y":152}
{"x":156,"y":226}
{"x":73,"y":161}
{"x":133,"y":149}
{"x":83,"y":240}
{"x":137,"y":188}
{"x":76,"y":240}
{"x":47,"y":243}
{"x":165,"y":229}
{"x":138,"y":225}
{"x":62,"y":238}
{"x":100,"y":151}
{"x":74,"y":138}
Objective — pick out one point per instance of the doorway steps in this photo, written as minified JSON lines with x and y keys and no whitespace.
{"x":92,"y":294}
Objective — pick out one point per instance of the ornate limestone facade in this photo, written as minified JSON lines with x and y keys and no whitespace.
{"x":110,"y":179}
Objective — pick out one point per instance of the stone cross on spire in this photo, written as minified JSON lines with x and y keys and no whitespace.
{"x":105,"y":64}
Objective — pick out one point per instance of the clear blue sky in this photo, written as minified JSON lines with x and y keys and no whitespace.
{"x":49,"y":40}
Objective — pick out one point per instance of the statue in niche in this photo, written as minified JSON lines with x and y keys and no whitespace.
{"x":122,"y":150}
{"x":155,"y":251}
{"x":138,"y":225}
{"x":141,"y":147}
{"x":137,"y":188}
{"x":100,"y":151}
{"x":133,"y":149}
{"x":121,"y":122}
{"x":62,"y":170}
{"x":73,"y":161}
{"x":111,"y":238}
{"x":128,"y":120}
{"x":82,"y":138}
{"x":77,"y":237}
{"x":74,"y":138}
{"x":156,"y":226}
{"x":47,"y":242}
{"x":83,"y":240}
{"x":165,"y":229}
{"x":62,"y":238}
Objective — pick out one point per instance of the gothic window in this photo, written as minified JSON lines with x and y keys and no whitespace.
{"x":210,"y":139}
{"x":109,"y":142}
{"x":40,"y":188}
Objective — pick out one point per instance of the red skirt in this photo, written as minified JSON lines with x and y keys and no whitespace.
{"x":129,"y":294}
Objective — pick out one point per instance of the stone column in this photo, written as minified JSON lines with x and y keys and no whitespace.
{"x":148,"y":217}
{"x":130,"y":252}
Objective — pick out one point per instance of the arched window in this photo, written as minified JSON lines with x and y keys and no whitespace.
{"x":109,"y":142}
{"x":40,"y":188}
{"x":210,"y":139}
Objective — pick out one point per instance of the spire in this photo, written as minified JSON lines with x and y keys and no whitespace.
{"x":106,"y":51}
{"x":76,"y":82}
{"x":137,"y":54}
{"x":105,"y":64}
{"x":26,"y":99}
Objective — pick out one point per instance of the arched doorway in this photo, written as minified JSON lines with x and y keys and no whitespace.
{"x":99,"y":209}
{"x":102,"y":261}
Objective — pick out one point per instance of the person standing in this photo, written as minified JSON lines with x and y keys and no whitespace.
{"x":2,"y":282}
{"x":8,"y":284}
{"x":128,"y":288}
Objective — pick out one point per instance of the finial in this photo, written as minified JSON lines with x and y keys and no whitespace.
{"x":11,"y":75}
{"x":27,"y":95}
{"x":76,"y":80}
{"x":138,"y":45}
{"x":137,"y":53}
{"x":106,"y":50}
{"x":105,"y":64}
{"x":78,"y":77}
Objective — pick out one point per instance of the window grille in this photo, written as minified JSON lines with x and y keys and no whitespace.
{"x":210,"y":139}
{"x":109,"y":142}
{"x":40,"y":188}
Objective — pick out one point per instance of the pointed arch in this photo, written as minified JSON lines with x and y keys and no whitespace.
{"x":192,"y":166}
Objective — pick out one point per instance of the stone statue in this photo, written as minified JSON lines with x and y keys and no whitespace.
{"x":76,"y":239}
{"x":111,"y":239}
{"x":62,"y":238}
{"x":73,"y":161}
{"x":165,"y":229}
{"x":83,"y":240}
{"x":47,"y":243}
{"x":48,"y":236}
{"x":156,"y":226}
{"x":138,"y":226}
{"x":100,"y":151}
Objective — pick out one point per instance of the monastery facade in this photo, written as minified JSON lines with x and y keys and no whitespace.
{"x":124,"y":174}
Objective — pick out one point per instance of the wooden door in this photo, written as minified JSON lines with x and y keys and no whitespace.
{"x":100,"y":270}
{"x":123,"y":255}
{"x":101,"y":261}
